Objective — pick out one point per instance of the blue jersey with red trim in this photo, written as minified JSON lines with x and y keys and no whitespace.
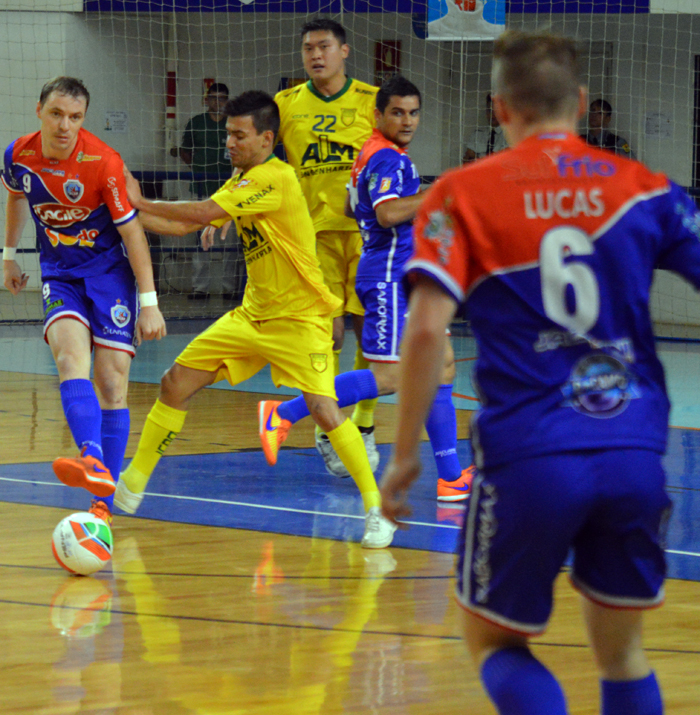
{"x":555,"y":263}
{"x":382,"y":172}
{"x":76,"y":203}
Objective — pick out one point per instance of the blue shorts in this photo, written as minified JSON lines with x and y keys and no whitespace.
{"x":609,"y":507}
{"x":107,"y":305}
{"x":385,"y":305}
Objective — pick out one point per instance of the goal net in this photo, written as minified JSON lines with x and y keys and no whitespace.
{"x":148,"y":64}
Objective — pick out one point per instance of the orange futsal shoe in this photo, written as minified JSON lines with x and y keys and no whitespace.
{"x":101,"y":511}
{"x":86,"y":472}
{"x":272,"y":428}
{"x":458,"y":490}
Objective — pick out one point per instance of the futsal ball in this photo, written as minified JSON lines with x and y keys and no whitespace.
{"x":81,"y":608}
{"x":82,"y":543}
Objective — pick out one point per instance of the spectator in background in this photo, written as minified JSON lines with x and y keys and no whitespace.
{"x":599,"y":116}
{"x":485,"y":140}
{"x":204,"y":150}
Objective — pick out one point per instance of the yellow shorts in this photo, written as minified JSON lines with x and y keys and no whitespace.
{"x":299,"y":350}
{"x":339,"y":253}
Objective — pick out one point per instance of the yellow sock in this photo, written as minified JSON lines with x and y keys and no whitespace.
{"x":363,"y":415}
{"x":336,"y":371}
{"x":348,"y":444}
{"x":162,"y":426}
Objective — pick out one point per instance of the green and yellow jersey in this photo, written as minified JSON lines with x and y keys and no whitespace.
{"x":322,"y":136}
{"x":279,"y":243}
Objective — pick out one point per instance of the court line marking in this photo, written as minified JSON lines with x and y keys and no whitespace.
{"x":281,"y":508}
{"x":306,"y":626}
{"x":238,"y":503}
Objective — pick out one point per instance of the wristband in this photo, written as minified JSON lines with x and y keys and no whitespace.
{"x":148,"y":300}
{"x":8,"y":253}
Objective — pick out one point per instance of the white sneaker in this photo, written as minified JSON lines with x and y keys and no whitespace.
{"x":127,"y":500}
{"x":379,"y":531}
{"x":372,"y":451}
{"x":330,"y":457}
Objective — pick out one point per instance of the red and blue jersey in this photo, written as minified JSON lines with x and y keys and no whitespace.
{"x":552,"y":247}
{"x":382,"y":172}
{"x":76,"y":203}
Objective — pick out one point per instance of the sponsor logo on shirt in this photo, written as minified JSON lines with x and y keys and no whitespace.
{"x":385,"y":185}
{"x":578,"y":166}
{"x":363,"y":91}
{"x":27,"y":152}
{"x":112,"y":185}
{"x":60,"y":216}
{"x":121,"y":315}
{"x":439,"y":230}
{"x":87,"y":157}
{"x":373,"y":178}
{"x":73,"y":189}
{"x":55,"y":172}
{"x":326,"y":151}
{"x":256,"y":197}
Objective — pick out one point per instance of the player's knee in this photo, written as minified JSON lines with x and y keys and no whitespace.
{"x":324,"y":411}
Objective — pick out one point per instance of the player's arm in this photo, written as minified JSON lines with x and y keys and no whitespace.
{"x":151,"y":324}
{"x":395,"y":211}
{"x":166,"y":227}
{"x":16,"y":217}
{"x":422,"y":353}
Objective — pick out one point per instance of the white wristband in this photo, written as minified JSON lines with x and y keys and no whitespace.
{"x":148,"y":300}
{"x":8,"y":253}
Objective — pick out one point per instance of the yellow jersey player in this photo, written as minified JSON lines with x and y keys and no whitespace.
{"x":323,"y":125}
{"x":283,"y":320}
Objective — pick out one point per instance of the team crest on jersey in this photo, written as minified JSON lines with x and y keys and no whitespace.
{"x":73,"y":189}
{"x":347,"y":116}
{"x":121,"y":315}
{"x":319,"y":361}
{"x":385,"y":185}
{"x":600,"y":386}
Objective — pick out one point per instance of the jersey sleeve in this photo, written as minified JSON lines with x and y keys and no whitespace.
{"x":248,"y":195}
{"x":114,"y":191}
{"x":384,"y":176}
{"x":680,"y":251}
{"x":9,"y":179}
{"x":441,"y":248}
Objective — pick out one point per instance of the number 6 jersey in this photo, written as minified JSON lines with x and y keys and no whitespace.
{"x":552,"y":246}
{"x":76,"y":203}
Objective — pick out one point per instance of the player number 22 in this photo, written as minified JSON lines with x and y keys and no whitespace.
{"x":557,"y":274}
{"x":321,"y":118}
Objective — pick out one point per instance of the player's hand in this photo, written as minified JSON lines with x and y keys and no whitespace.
{"x":207,"y":237}
{"x":150,"y":325}
{"x":13,"y":278}
{"x":133,"y":189}
{"x":394,"y":485}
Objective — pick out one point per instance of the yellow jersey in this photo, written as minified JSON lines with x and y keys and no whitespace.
{"x":322,"y":136}
{"x":279,"y":243}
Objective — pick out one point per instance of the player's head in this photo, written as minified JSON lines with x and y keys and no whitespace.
{"x":324,"y":49}
{"x":599,"y":114}
{"x":253,"y":121}
{"x":397,"y":110}
{"x":536,"y":80}
{"x":61,"y":109}
{"x":216,"y":98}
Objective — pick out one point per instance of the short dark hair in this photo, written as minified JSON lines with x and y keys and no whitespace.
{"x":65,"y":85}
{"x":537,"y":73}
{"x":325,"y":24}
{"x":604,"y":105}
{"x":259,"y":106}
{"x":396,"y":86}
{"x":218,"y":87}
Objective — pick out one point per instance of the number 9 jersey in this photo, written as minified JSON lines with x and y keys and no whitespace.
{"x":554,"y":262}
{"x":76,"y":203}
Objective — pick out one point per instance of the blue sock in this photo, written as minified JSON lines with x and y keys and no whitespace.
{"x":84,"y":415}
{"x":631,"y":697}
{"x":441,"y":427}
{"x":350,"y":388}
{"x":519,"y":684}
{"x":115,"y":435}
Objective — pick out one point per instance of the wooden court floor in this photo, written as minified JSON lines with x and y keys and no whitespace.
{"x":199,"y":619}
